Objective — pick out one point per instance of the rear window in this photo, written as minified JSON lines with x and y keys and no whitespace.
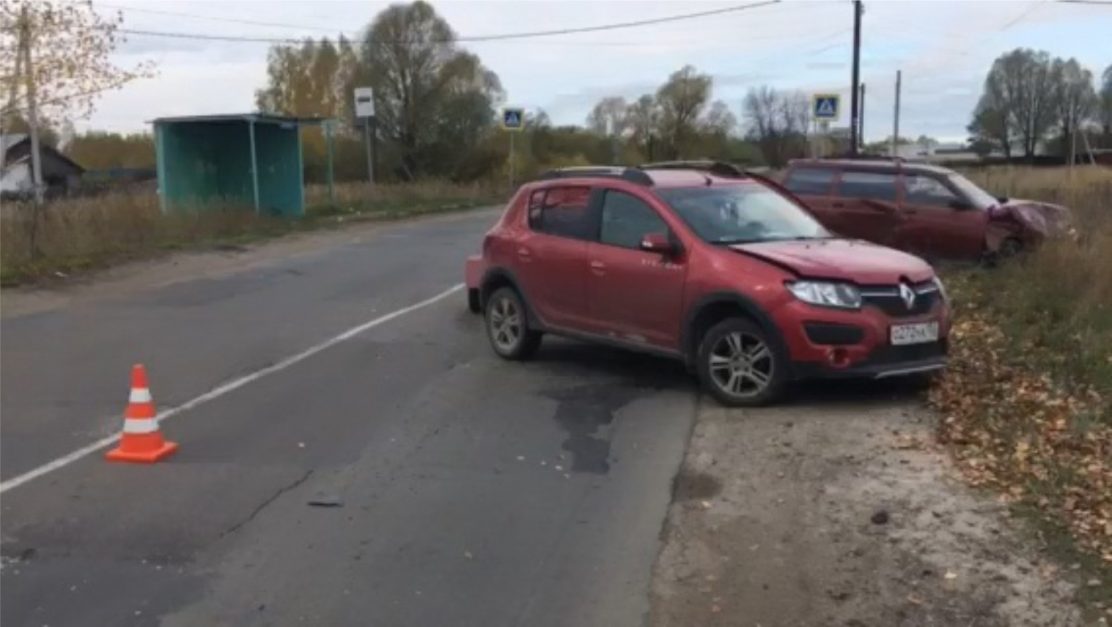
{"x":562,"y":211}
{"x":875,"y":185}
{"x":810,"y":181}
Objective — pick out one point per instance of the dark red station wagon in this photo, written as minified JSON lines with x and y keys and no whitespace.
{"x":920,"y":208}
{"x":708,"y":264}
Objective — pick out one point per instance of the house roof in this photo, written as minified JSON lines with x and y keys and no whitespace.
{"x":11,"y":139}
{"x":264,"y":118}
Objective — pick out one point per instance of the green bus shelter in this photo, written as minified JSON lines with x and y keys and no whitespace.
{"x":248,"y":160}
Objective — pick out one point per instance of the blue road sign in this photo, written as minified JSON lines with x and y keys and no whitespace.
{"x":825,"y":106}
{"x":513,"y":119}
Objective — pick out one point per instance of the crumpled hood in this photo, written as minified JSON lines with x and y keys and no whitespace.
{"x":856,"y":261}
{"x":1042,"y":218}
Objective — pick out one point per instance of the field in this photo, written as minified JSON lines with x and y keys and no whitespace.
{"x":1027,"y":402}
{"x":80,"y":234}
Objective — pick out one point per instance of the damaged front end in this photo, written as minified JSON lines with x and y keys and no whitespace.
{"x":1018,"y":225}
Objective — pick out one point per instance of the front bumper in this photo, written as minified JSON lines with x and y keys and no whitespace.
{"x":828,"y":343}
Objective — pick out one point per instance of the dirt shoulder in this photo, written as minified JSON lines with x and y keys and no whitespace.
{"x":185,"y":266}
{"x":838,"y":509}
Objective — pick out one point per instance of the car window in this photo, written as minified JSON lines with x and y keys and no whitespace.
{"x":813,"y":181}
{"x":928,"y":192}
{"x":562,"y":211}
{"x":748,"y":212}
{"x":626,"y":220}
{"x":875,"y":185}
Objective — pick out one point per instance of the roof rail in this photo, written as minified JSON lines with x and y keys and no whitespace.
{"x":633,"y":175}
{"x":868,"y":157}
{"x":718,"y":168}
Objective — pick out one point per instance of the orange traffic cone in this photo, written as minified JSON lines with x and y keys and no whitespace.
{"x":141,"y":440}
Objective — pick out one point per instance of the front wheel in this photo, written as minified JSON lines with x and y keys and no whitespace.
{"x":739,"y":366}
{"x":508,"y":326}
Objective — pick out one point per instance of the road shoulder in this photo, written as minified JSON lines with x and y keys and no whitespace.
{"x":842,"y":512}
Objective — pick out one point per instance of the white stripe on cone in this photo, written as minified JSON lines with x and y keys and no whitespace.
{"x":139,"y":395}
{"x":140,"y":425}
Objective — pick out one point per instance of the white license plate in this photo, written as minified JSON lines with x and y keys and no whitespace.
{"x":917,"y":333}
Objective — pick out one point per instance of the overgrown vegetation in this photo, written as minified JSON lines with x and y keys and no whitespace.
{"x":1027,"y":401}
{"x":87,"y":233}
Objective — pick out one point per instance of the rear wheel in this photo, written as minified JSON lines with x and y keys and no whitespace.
{"x":508,"y":326}
{"x":739,"y":366}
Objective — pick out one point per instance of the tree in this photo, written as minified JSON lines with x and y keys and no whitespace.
{"x":642,"y":118}
{"x":989,"y":128}
{"x":1020,"y":86}
{"x":312,"y":79}
{"x":777,"y":122}
{"x":103,"y":151}
{"x":1106,"y":104}
{"x":719,"y":120}
{"x":426,"y":88}
{"x":1075,"y":98}
{"x":57,"y":60}
{"x":681,"y":100}
{"x":608,"y":116}
{"x":71,"y":48}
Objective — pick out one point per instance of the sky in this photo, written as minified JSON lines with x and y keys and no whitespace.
{"x":944,"y":48}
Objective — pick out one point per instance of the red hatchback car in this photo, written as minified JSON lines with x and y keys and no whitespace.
{"x":921,"y":208}
{"x":708,"y":264}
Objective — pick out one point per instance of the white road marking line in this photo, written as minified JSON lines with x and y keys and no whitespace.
{"x":221,"y":390}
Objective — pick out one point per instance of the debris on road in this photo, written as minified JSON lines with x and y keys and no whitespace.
{"x":326,"y":500}
{"x":880,"y":518}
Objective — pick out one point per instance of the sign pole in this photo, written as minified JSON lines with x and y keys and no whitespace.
{"x":331,"y":178}
{"x":370,"y":157}
{"x":896,"y":118}
{"x":511,"y":160}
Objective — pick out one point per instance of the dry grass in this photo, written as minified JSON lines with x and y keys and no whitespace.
{"x":84,"y":233}
{"x":1027,"y":401}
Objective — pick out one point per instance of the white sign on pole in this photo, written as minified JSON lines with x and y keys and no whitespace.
{"x":364,"y":102}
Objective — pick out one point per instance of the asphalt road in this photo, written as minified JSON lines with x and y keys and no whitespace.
{"x":471,"y":491}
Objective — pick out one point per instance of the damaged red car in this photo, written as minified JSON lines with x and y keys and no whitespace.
{"x":924,"y":209}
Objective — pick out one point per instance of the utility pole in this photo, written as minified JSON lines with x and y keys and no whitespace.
{"x":32,"y":111}
{"x":854,"y":121}
{"x":896,"y":118}
{"x":861,"y":117}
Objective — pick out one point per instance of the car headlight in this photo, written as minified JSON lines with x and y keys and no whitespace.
{"x":826,"y":294}
{"x":941,"y":289}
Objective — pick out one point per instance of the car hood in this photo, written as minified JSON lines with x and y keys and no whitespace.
{"x":1041,"y":218}
{"x":842,"y":259}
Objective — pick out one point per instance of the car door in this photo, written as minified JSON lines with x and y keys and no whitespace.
{"x":866,"y":205}
{"x":939,"y":223}
{"x":551,"y":255}
{"x":815,"y":187}
{"x":634,"y":295}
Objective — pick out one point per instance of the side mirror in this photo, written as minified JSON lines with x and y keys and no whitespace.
{"x":657,"y":243}
{"x":960,"y":205}
{"x":1002,"y":200}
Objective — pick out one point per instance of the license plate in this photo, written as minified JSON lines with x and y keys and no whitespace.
{"x":917,"y":333}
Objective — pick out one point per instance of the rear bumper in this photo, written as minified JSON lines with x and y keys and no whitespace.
{"x":473,"y":271}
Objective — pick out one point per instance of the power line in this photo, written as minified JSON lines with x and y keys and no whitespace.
{"x":1106,"y":3}
{"x":465,"y":38}
{"x":213,"y":18}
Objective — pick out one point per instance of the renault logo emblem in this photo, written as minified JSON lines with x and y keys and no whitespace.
{"x":908,"y":295}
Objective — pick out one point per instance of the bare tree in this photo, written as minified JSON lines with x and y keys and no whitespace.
{"x":777,"y":121}
{"x":608,"y":116}
{"x":1106,"y":104}
{"x":990,"y":128}
{"x":1020,"y":85}
{"x":681,"y":100}
{"x":719,"y":120}
{"x":1075,"y":98}
{"x":641,"y":118}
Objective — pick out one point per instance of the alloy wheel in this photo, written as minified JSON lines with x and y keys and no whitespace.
{"x":505,"y":324}
{"x":741,"y":364}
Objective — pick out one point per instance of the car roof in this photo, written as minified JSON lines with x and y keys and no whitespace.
{"x":664,"y":176}
{"x":871,"y":164}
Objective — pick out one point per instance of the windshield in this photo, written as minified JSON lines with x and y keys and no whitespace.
{"x":737,"y":214}
{"x":979,"y":197}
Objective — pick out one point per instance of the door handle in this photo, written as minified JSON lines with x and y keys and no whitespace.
{"x":524,"y":252}
{"x":598,"y":267}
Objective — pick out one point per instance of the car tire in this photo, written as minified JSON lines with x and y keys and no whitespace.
{"x":740,"y":365}
{"x":507,"y":325}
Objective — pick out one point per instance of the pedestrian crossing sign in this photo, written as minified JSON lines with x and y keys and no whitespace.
{"x":825,"y":106}
{"x":513,"y":119}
